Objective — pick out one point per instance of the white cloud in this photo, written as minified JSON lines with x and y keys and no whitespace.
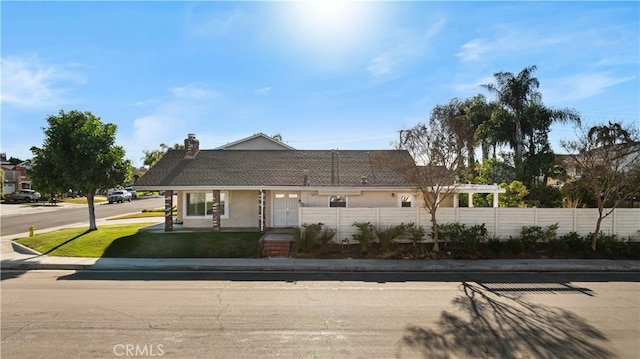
{"x":473,"y":88}
{"x":192,"y":92}
{"x":474,"y":50}
{"x":381,"y":65}
{"x":170,"y":120}
{"x":218,"y":23}
{"x":579,"y":86}
{"x":263,"y":91}
{"x":412,"y":45}
{"x":30,"y":83}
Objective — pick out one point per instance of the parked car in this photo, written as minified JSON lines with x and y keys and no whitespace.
{"x":133,"y":192}
{"x":119,"y":196}
{"x":25,"y":195}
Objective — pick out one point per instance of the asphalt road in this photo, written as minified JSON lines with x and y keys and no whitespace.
{"x":16,"y":218}
{"x":332,"y":315}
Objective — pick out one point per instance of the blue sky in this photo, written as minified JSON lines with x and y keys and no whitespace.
{"x":323,"y":74}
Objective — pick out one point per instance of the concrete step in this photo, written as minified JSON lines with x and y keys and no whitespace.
{"x":276,"y":248}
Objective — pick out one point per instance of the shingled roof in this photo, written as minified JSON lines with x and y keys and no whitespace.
{"x":272,"y":168}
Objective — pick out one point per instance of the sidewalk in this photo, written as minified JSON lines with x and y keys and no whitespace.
{"x":15,"y":256}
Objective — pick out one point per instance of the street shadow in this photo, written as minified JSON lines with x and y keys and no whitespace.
{"x":512,"y":283}
{"x":487,"y":323}
{"x":12,"y":273}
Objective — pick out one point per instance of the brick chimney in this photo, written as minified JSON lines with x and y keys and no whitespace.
{"x":191,"y":146}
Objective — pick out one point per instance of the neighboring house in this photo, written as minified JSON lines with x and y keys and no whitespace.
{"x":628,"y":159}
{"x":260,"y":182}
{"x":15,"y":178}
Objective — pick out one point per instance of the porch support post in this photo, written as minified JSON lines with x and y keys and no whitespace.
{"x":261,"y":212}
{"x":215,"y":209}
{"x":470,"y":199}
{"x":456,"y":200}
{"x":168,"y":211}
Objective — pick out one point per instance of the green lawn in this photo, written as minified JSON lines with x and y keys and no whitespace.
{"x":82,"y":200}
{"x":129,"y":241}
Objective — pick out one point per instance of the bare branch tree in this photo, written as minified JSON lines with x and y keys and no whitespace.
{"x":607,"y":159}
{"x":433,"y":165}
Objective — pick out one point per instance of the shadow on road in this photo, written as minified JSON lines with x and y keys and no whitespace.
{"x":11,"y":274}
{"x":497,"y":281}
{"x":485,"y":323}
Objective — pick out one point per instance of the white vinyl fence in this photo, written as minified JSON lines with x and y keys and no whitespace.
{"x":500,"y":222}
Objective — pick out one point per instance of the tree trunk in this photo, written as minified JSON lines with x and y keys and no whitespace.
{"x":485,"y":151}
{"x":519,"y":149}
{"x":594,"y":239}
{"x":471,"y":159}
{"x":92,"y":211}
{"x":596,"y":234}
{"x":434,"y":228}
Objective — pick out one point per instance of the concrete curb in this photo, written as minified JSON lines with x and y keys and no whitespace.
{"x":306,"y":265}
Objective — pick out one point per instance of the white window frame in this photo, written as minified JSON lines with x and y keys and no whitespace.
{"x":411,"y":196}
{"x":224,"y":198}
{"x":346,"y":201}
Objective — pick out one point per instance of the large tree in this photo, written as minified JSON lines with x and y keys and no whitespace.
{"x":79,"y":153}
{"x":607,"y":159}
{"x":513,"y":94}
{"x":521,"y":120}
{"x":434,"y":165}
{"x":466,"y":119}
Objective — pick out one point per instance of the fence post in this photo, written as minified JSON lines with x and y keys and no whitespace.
{"x":338,"y":233}
{"x":496,"y":222}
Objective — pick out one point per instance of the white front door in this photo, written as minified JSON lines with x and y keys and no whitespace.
{"x":285,"y":209}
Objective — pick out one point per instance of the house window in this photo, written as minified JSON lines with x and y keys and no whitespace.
{"x":338,"y":201}
{"x":200,"y":204}
{"x":406,"y":200}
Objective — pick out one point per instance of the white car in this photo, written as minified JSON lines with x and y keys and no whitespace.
{"x":133,"y":192}
{"x":119,"y":196}
{"x":25,"y":195}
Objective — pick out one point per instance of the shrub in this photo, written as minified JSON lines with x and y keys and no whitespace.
{"x":325,"y":237}
{"x":557,"y":246}
{"x":495,"y":245}
{"x":451,"y":232}
{"x":387,"y":235}
{"x":307,"y":238}
{"x":533,"y":234}
{"x":364,"y":235}
{"x":610,"y":244}
{"x":415,"y":233}
{"x":463,"y":237}
{"x":575,"y":242}
{"x":513,"y":245}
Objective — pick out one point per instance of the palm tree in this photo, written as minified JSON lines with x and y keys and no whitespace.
{"x":478,"y":114}
{"x":522,"y":119}
{"x":514,"y":93}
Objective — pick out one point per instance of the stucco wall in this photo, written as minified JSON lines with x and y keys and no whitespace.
{"x":243,"y":210}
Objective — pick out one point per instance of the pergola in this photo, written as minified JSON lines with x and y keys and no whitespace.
{"x":470,"y":189}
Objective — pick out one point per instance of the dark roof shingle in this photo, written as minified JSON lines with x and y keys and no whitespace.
{"x":272,"y":168}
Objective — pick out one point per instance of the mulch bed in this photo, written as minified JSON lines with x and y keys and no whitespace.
{"x":482,"y":251}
